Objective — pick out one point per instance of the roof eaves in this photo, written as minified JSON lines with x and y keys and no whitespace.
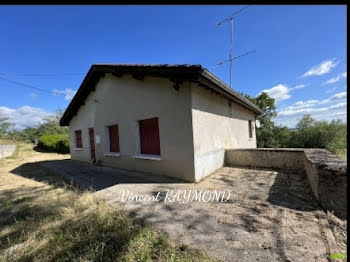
{"x":207,"y":74}
{"x":196,"y":70}
{"x":67,"y":115}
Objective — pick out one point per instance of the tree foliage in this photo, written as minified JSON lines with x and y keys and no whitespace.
{"x":5,"y":126}
{"x":51,"y":125}
{"x":54,"y":143}
{"x":53,"y":136}
{"x":309,"y":133}
{"x":267,"y":135}
{"x":319,"y":134}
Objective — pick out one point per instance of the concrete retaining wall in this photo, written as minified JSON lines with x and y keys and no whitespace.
{"x":276,"y":158}
{"x":325,"y":172}
{"x":7,"y":150}
{"x":327,"y":176}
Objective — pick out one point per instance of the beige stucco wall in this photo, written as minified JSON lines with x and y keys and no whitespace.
{"x":217,"y":125}
{"x":124,"y":101}
{"x":195,"y":126}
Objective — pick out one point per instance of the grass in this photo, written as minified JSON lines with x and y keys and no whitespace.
{"x":52,"y":222}
{"x":342,"y":154}
{"x":15,"y":154}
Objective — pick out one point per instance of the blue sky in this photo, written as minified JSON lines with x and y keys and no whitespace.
{"x":300,"y":56}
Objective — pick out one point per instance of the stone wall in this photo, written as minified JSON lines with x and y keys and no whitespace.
{"x":325,"y":172}
{"x":7,"y":150}
{"x":327,"y":176}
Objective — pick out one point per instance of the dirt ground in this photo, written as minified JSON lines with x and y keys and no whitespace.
{"x":42,"y":218}
{"x":23,"y":186}
{"x":270,"y":215}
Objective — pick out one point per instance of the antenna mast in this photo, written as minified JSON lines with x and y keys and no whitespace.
{"x":230,"y":18}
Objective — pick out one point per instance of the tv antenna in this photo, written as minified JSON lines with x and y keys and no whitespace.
{"x":230,"y":19}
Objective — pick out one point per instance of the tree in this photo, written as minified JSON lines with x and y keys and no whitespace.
{"x":309,"y":132}
{"x":282,"y":136}
{"x":266,"y":134}
{"x":5,"y":126}
{"x":305,"y":122}
{"x":338,"y":133}
{"x":320,"y":134}
{"x":51,"y":125}
{"x":27,"y":134}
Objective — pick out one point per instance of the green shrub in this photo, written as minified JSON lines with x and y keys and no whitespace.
{"x":54,"y":143}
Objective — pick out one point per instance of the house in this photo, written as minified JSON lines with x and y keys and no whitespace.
{"x":174,"y":120}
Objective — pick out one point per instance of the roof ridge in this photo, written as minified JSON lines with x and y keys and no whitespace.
{"x":141,"y":65}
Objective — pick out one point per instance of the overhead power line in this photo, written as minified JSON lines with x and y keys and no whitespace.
{"x":42,"y":75}
{"x":30,"y":86}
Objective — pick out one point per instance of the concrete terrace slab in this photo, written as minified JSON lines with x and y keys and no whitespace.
{"x":270,"y":215}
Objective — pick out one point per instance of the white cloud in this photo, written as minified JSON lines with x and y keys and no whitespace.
{"x":331,"y":108}
{"x":321,"y":69}
{"x":302,"y":104}
{"x":331,"y":90}
{"x":279,"y":92}
{"x":298,"y":87}
{"x":68,"y":93}
{"x":335,"y":79}
{"x":341,"y":95}
{"x":290,"y":119}
{"x":25,"y":116}
{"x":310,"y":110}
{"x":338,"y":96}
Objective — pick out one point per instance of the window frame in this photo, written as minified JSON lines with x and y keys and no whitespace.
{"x":108,"y":151}
{"x":250,"y":129}
{"x":77,"y":146}
{"x":141,"y":144}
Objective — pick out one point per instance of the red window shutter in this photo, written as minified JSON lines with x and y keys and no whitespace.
{"x":92,"y":143}
{"x":78,"y":139}
{"x":113,"y":138}
{"x":250,"y":128}
{"x":149,"y":136}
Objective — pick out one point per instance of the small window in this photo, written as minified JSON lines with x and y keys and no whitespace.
{"x":78,"y":139}
{"x":149,"y":136}
{"x":113,"y":132}
{"x":250,"y":128}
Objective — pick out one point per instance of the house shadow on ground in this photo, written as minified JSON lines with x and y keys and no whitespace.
{"x":87,"y":176}
{"x":48,"y":151}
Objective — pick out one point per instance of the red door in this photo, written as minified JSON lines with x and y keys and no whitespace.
{"x":92,"y":144}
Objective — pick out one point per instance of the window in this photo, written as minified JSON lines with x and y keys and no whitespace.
{"x":113,"y":132}
{"x":78,"y":139}
{"x":250,"y":129}
{"x":149,"y":136}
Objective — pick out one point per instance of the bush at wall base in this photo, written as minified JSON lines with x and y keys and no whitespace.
{"x":58,"y":143}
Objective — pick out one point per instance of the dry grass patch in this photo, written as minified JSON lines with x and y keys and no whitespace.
{"x":42,"y":221}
